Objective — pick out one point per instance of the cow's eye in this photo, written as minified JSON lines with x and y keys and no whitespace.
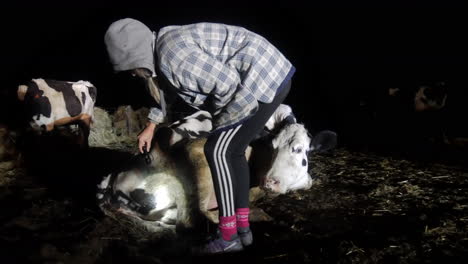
{"x":296,"y":150}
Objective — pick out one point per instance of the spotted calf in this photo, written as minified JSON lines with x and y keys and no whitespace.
{"x":51,"y":103}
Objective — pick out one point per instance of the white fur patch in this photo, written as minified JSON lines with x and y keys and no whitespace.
{"x":83,"y":87}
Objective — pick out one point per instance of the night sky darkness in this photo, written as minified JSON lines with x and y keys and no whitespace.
{"x":343,"y":54}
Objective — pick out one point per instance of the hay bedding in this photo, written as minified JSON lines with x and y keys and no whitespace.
{"x":364,"y":208}
{"x":117,"y":130}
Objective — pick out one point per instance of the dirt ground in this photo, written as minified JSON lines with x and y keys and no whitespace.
{"x":363,"y":208}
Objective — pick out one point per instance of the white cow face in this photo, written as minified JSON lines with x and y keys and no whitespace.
{"x":289,"y":168}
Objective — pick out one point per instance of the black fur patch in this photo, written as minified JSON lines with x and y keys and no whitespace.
{"x":189,"y":133}
{"x":33,"y":90}
{"x":202,"y":118}
{"x":83,"y":97}
{"x":35,"y":102}
{"x":289,"y":120}
{"x":72,"y":103}
{"x":92,"y":93}
{"x":145,"y":200}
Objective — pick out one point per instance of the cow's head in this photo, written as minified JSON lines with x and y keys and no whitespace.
{"x":430,"y":97}
{"x":37,"y":106}
{"x":289,"y":167}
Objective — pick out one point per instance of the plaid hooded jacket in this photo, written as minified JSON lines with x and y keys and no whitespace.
{"x":224,"y":69}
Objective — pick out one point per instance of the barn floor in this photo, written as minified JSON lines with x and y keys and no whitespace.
{"x":365,"y":208}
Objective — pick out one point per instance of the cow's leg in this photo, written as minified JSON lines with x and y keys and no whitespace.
{"x":84,"y":125}
{"x":203,"y":180}
{"x":184,"y":218}
{"x":49,"y":127}
{"x":211,"y":212}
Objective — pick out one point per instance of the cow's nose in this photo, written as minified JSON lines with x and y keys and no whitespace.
{"x":272,"y":182}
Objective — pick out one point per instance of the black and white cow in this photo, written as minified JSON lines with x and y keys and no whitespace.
{"x":157,"y":190}
{"x":430,"y":97}
{"x":162,"y":192}
{"x":51,"y":103}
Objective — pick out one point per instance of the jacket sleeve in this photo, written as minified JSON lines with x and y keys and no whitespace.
{"x":210,"y":77}
{"x":156,"y":115}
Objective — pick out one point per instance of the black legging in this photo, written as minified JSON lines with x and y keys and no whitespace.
{"x":225,"y":153}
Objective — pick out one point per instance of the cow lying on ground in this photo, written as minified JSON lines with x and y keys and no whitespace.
{"x":50,"y":103}
{"x":159,"y":190}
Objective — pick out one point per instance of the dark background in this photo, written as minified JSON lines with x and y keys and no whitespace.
{"x":346,"y":55}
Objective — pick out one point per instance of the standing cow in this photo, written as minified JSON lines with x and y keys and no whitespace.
{"x":51,"y":103}
{"x":162,"y":192}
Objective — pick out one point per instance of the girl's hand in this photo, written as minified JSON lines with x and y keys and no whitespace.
{"x":145,"y":137}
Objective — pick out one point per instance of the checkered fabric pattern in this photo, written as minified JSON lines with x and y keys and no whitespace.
{"x":222,"y":68}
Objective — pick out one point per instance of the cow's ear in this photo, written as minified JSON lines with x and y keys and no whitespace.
{"x":275,"y":143}
{"x":324,"y":141}
{"x":22,"y":90}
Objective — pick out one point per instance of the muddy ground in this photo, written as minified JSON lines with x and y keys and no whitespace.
{"x":364,"y":208}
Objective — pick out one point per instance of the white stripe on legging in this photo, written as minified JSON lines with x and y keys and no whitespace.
{"x":222,"y":169}
{"x":224,"y":185}
{"x":218,"y":173}
{"x":228,"y":176}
